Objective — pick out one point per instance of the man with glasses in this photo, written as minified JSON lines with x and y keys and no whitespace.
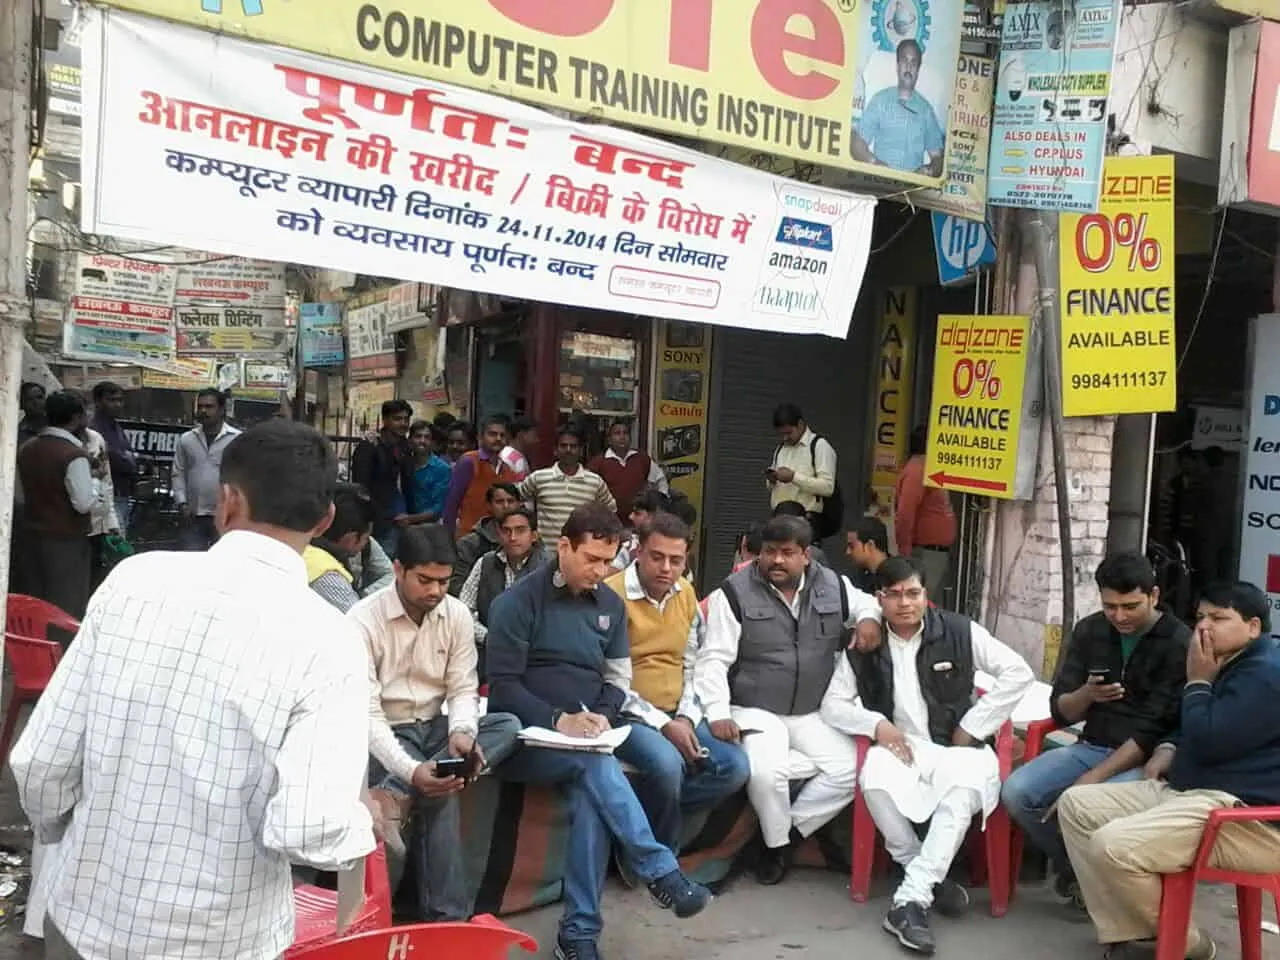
{"x":913,"y":694}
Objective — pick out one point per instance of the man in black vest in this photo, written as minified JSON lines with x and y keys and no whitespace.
{"x":774,"y":630}
{"x":521,"y":553}
{"x":914,"y":696}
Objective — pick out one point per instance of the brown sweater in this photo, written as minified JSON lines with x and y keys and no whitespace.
{"x":42,"y":467}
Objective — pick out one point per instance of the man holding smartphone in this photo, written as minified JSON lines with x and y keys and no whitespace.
{"x":422,"y":656}
{"x":1122,"y":677}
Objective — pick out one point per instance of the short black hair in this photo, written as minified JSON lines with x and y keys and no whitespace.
{"x":787,"y":530}
{"x":1125,"y":572}
{"x":219,"y":397}
{"x":1242,"y":597}
{"x":419,"y":426}
{"x":667,"y":525}
{"x":897,"y":570}
{"x":651,"y":500}
{"x":918,"y":441}
{"x":393,"y":408}
{"x":754,"y":537}
{"x":27,"y":387}
{"x":522,"y":425}
{"x":104,"y":389}
{"x":522,"y":510}
{"x":872,"y":530}
{"x":909,"y":42}
{"x":286,"y":470}
{"x":444,"y":419}
{"x":507,"y":488}
{"x":429,"y":543}
{"x":495,"y":419}
{"x":63,"y":406}
{"x":790,"y":508}
{"x":592,"y":520}
{"x":787,"y":415}
{"x":352,"y":511}
{"x":680,"y":506}
{"x":569,"y":431}
{"x":462,"y":426}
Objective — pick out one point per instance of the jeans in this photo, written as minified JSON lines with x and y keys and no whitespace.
{"x":603,"y":810}
{"x":197,"y":534}
{"x":666,"y":786}
{"x":435,"y":841}
{"x":1034,"y":787}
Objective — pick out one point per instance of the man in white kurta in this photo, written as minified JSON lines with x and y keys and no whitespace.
{"x":914,"y":697}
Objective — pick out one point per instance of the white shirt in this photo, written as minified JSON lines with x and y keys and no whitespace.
{"x":724,"y":631}
{"x":656,"y":477}
{"x":815,"y":472}
{"x":102,"y":518}
{"x":208,"y":726}
{"x":197,"y":468}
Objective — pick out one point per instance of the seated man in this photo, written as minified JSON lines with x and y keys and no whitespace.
{"x":338,"y":561}
{"x":422,"y":656}
{"x":867,"y":547}
{"x":1226,"y":753}
{"x":646,"y":504}
{"x":483,"y":537}
{"x":558,"y":658}
{"x":914,"y":696}
{"x":1122,"y":675}
{"x":521,"y":553}
{"x":682,"y":766}
{"x":774,"y":630}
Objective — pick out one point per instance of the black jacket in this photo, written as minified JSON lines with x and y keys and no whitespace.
{"x":1152,"y":679}
{"x":384,"y":470}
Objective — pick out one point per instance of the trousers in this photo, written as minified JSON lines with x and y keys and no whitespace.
{"x":1121,"y":837}
{"x":769,"y":787}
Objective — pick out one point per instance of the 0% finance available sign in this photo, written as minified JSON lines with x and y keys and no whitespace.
{"x":979,"y":373}
{"x":1117,"y":270}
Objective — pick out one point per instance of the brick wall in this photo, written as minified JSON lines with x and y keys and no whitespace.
{"x":1024,"y":581}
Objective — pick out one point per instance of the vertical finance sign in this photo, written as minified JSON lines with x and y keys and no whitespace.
{"x":892,"y":408}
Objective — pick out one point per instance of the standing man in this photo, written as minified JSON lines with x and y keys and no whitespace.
{"x":803,"y":467}
{"x":682,"y":765}
{"x":208,"y":726}
{"x":774,"y":630}
{"x":385,"y":468}
{"x":1122,"y":676}
{"x":627,"y":471}
{"x":524,"y":440}
{"x":899,"y":128}
{"x":460,"y":437}
{"x":558,"y":658}
{"x":924,"y":522}
{"x":108,"y":403}
{"x":60,"y":494}
{"x":473,"y":475}
{"x":500,"y":499}
{"x":431,"y":475}
{"x":31,"y":399}
{"x":914,"y":696}
{"x":1122,"y":837}
{"x":867,"y":547}
{"x":422,"y":656}
{"x":561,"y":488}
{"x":197,"y":465}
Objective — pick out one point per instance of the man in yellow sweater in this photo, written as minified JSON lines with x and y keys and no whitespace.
{"x":681,"y":765}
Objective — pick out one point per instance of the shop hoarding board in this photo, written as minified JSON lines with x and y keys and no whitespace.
{"x":1249,"y":156}
{"x":975,"y":419}
{"x":364,"y":403}
{"x":1049,"y":134}
{"x":85,"y":378}
{"x":121,"y":311}
{"x":406,"y":309}
{"x":262,"y":381}
{"x":231,"y":307}
{"x":153,"y":442}
{"x":322,"y":344}
{"x":683,"y":388}
{"x":181,"y":373}
{"x":1260,"y":499}
{"x":371,"y":351}
{"x":1117,"y":298}
{"x":780,"y":76}
{"x":892,"y":409}
{"x":281,"y":156}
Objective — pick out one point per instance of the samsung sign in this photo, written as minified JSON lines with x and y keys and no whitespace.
{"x":1260,"y":503}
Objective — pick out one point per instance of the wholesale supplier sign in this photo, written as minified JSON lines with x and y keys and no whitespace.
{"x":1117,"y":275}
{"x":272,"y":154}
{"x":790,"y":77}
{"x":975,"y":418}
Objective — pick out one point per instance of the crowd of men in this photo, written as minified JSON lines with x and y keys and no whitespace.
{"x":222,"y":724}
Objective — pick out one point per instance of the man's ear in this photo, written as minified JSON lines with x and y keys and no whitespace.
{"x":325,"y":522}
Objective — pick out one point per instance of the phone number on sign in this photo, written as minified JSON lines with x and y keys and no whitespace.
{"x":948,"y":459}
{"x":1104,"y":381}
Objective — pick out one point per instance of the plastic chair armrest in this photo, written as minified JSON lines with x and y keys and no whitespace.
{"x":1229,"y":815}
{"x":1037,"y":730}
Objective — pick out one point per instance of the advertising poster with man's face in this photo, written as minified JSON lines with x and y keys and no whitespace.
{"x":905,"y":79}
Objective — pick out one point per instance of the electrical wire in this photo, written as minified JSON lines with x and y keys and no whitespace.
{"x":1208,"y":286}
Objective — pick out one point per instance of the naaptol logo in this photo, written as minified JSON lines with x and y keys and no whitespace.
{"x":831,"y":208}
{"x":805,"y":233}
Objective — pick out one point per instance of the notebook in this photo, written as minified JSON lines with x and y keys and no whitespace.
{"x":607,"y":742}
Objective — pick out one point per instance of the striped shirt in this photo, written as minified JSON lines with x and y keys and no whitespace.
{"x":556,"y":494}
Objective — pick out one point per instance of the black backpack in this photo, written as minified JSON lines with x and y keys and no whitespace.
{"x":830,"y":520}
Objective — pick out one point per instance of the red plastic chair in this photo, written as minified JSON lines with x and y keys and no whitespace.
{"x":991,"y":864}
{"x":1180,"y":890}
{"x":317,"y":909}
{"x":1033,"y":745}
{"x":32,"y":617}
{"x":484,"y":938}
{"x":32,"y":663}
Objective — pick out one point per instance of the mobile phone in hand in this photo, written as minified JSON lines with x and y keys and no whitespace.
{"x":1104,"y":674}
{"x":455,"y":766}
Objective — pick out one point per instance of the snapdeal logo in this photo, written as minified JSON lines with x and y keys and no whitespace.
{"x":812,"y":204}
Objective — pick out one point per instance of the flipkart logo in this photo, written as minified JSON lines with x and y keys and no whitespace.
{"x":251,"y":8}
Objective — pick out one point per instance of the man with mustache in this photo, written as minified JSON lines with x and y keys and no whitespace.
{"x":774,"y":629}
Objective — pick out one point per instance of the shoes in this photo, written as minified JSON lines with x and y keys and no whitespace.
{"x":773,"y":865}
{"x":1066,"y":889}
{"x":950,"y":899}
{"x":390,"y":811}
{"x":576,"y":950}
{"x":1203,"y":947}
{"x":909,"y":922}
{"x":678,"y":893}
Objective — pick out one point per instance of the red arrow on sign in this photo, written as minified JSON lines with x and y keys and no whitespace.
{"x":945,"y":479}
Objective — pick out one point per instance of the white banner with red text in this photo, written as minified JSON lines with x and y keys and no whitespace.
{"x":242,"y":148}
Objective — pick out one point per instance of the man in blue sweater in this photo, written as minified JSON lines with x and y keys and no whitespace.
{"x":1226,"y":753}
{"x":559,"y":658}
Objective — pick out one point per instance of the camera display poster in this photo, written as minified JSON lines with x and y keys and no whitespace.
{"x":680,"y":415}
